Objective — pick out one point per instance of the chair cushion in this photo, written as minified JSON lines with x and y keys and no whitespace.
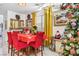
{"x":10,"y":38}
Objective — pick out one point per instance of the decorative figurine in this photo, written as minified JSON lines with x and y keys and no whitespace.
{"x":73,"y":24}
{"x":57,"y":35}
{"x":29,"y":21}
{"x":17,"y":17}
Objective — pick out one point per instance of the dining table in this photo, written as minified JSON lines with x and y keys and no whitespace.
{"x":33,"y":41}
{"x":28,"y":38}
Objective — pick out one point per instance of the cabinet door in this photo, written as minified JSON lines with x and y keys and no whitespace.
{"x":58,"y":46}
{"x":16,"y":26}
{"x":12,"y":23}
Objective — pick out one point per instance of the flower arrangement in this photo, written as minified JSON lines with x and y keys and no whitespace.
{"x":34,"y":29}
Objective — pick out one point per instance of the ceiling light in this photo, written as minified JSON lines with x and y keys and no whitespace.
{"x":22,"y":4}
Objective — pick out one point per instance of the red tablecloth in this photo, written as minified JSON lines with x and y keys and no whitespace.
{"x":32,"y":40}
{"x":26,"y":38}
{"x":29,"y":37}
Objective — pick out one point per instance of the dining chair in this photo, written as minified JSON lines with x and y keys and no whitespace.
{"x":18,"y":45}
{"x":10,"y":42}
{"x":36,"y":45}
{"x":26,"y":29}
{"x":40,"y":35}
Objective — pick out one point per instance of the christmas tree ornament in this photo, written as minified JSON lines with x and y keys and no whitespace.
{"x":73,"y":24}
{"x":72,"y":51}
{"x":72,"y":39}
{"x":68,"y":6}
{"x":77,"y":6}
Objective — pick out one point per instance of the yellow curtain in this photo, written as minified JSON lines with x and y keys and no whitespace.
{"x":45,"y":24}
{"x":48,"y":24}
{"x":33,"y":18}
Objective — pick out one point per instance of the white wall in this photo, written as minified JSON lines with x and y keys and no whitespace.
{"x":1,"y":21}
{"x":59,"y":28}
{"x":40,"y":18}
{"x":1,"y":18}
{"x":11,"y":14}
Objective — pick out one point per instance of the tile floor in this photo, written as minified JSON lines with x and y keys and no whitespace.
{"x":4,"y":50}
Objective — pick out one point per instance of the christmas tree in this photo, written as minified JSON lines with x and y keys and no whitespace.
{"x":71,"y":34}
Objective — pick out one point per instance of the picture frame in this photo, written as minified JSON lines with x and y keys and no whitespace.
{"x":60,"y":18}
{"x":21,"y":23}
{"x":29,"y":23}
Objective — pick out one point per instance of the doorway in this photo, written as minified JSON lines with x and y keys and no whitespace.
{"x":1,"y":34}
{"x":1,"y":29}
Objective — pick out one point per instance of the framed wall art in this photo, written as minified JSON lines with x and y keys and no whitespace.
{"x":21,"y":23}
{"x":60,"y":19}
